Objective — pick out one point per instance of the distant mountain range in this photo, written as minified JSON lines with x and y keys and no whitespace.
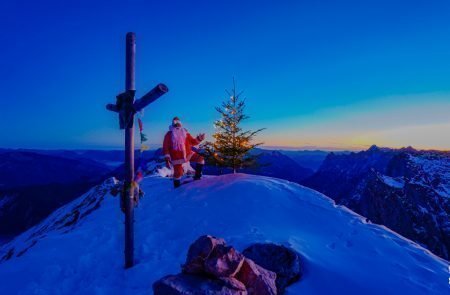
{"x":273,"y":164}
{"x":33,"y":184}
{"x":308,"y":159}
{"x":277,"y":164}
{"x":106,"y":157}
{"x":404,"y":189}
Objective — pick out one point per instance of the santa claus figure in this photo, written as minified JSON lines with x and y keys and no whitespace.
{"x":177,"y":149}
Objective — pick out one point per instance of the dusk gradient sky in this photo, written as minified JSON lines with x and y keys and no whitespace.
{"x":328,"y":74}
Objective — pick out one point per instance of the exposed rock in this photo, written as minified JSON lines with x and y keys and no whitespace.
{"x":234,"y":284}
{"x":258,"y":280}
{"x":279,"y":259}
{"x":212,"y":267}
{"x":184,"y":284}
{"x":224,"y":261}
{"x":404,"y":189}
{"x":198,"y":252}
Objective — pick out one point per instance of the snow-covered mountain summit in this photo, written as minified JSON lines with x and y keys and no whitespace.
{"x":78,"y":249}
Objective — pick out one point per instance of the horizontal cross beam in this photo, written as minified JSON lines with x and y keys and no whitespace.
{"x":150,"y":97}
{"x":139,"y":104}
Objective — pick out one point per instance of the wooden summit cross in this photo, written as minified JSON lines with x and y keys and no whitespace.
{"x":126,"y":106}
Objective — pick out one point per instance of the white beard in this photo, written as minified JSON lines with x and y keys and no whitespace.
{"x":179,"y":139}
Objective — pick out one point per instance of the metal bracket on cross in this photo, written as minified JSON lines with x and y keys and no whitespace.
{"x":126,"y":106}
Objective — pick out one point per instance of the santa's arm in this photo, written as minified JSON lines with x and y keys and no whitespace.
{"x":195,"y":140}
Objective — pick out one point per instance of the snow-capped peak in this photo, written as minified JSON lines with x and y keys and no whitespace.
{"x":340,"y":251}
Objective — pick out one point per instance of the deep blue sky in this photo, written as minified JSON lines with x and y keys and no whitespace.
{"x":341,"y":74}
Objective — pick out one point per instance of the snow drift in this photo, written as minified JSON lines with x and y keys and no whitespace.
{"x":78,"y":249}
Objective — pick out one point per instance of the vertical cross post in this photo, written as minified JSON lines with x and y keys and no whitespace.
{"x":129,"y":149}
{"x":126,"y":107}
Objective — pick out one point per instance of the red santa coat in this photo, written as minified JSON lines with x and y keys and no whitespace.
{"x":178,"y":155}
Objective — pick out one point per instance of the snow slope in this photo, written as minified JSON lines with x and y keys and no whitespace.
{"x":78,"y":249}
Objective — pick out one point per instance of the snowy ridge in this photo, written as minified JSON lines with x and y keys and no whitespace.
{"x":392,"y":182}
{"x":62,"y":221}
{"x":340,"y":250}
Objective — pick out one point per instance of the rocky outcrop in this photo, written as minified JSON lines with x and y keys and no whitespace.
{"x":224,"y":261}
{"x":284,"y":262}
{"x":198,"y":252}
{"x":212,"y":267}
{"x":184,"y":284}
{"x":404,"y":189}
{"x":257,"y":279}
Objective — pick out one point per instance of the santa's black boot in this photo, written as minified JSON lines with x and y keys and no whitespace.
{"x":176,"y":183}
{"x":198,"y":171}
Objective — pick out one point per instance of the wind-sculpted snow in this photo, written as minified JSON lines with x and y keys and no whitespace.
{"x":341,"y":253}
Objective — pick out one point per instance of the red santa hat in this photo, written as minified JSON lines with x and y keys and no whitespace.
{"x":176,"y":121}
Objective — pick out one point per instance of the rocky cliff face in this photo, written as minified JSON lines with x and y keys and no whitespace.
{"x":405,"y":189}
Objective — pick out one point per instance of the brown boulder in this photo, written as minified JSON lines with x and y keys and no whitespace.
{"x":198,"y":252}
{"x":184,"y":284}
{"x":259,"y":281}
{"x":224,"y":261}
{"x":281,"y":260}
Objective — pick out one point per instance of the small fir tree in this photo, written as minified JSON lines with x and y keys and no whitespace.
{"x":231,"y":145}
